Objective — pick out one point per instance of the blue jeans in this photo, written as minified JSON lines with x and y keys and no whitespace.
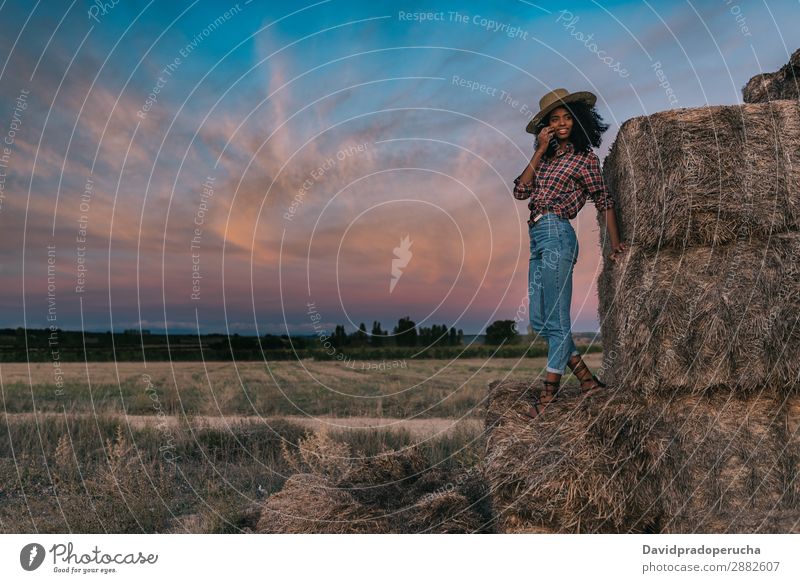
{"x":554,"y":252}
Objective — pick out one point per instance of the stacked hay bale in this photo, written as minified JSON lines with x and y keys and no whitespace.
{"x":783,"y":84}
{"x":701,"y":333}
{"x":708,"y":295}
{"x":334,"y":492}
{"x":574,"y":468}
{"x":722,"y":463}
{"x":617,"y":461}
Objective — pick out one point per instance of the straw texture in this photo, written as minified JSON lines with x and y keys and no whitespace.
{"x":615,"y":462}
{"x":703,"y":318}
{"x":783,"y":84}
{"x":707,"y":176}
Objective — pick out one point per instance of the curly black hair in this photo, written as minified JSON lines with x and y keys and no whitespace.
{"x":587,"y":128}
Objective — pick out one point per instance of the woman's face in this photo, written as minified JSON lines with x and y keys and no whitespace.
{"x":561,"y":122}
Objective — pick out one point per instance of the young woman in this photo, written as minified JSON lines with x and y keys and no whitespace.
{"x":562,"y":174}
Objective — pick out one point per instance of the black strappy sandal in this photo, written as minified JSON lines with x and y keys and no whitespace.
{"x":598,"y":384}
{"x":553,"y":393}
{"x":537,"y":405}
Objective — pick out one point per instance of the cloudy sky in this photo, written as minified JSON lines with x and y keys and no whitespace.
{"x":175,"y":164}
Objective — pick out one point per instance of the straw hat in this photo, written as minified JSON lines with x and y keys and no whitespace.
{"x":556,"y":98}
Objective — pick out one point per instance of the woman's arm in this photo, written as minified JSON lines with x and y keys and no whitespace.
{"x":530,"y":170}
{"x":595,"y":185}
{"x":524,"y":183}
{"x":617,"y":246}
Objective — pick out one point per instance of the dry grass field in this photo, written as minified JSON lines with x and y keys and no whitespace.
{"x":194,"y":447}
{"x":423,"y":388}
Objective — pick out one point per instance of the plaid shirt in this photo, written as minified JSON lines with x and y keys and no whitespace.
{"x":562,"y":184}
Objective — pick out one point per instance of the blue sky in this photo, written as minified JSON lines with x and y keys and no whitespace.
{"x":263,"y":97}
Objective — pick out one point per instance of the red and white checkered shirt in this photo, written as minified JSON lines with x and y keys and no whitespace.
{"x":562,"y":184}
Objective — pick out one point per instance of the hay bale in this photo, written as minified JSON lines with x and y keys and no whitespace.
{"x":575,"y":468}
{"x":714,"y":457}
{"x":707,"y":176}
{"x":703,"y":318}
{"x":617,"y":462}
{"x":783,"y":84}
{"x":505,"y":399}
{"x":309,"y":503}
{"x":509,"y":400}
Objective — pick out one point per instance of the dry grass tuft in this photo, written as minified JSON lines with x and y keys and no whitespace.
{"x":393,"y":491}
{"x":310,"y":504}
{"x":318,"y":453}
{"x":123,"y":496}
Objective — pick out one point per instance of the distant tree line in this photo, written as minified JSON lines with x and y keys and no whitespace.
{"x":406,"y":340}
{"x":405,"y":333}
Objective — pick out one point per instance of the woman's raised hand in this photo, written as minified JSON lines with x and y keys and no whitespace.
{"x":544,"y":138}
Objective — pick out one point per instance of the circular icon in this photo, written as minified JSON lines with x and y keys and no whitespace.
{"x":31,"y":556}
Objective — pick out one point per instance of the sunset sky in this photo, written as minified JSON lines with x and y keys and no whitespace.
{"x":177,"y":164}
